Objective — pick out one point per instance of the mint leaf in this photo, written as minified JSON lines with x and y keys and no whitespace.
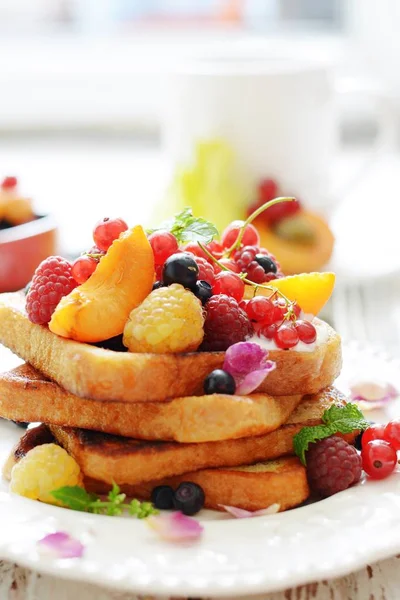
{"x":74,"y":497}
{"x":336,"y":419}
{"x":187,"y":228}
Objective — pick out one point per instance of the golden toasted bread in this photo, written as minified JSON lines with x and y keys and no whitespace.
{"x":26,"y":395}
{"x":91,"y":372}
{"x":282,"y":481}
{"x":110,"y":458}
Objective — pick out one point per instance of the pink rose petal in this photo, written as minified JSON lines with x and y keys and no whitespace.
{"x":175,"y":527}
{"x":372,"y":392}
{"x":247,"y":363}
{"x":241,"y":513}
{"x":61,"y":545}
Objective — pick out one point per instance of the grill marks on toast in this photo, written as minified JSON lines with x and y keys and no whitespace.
{"x":91,"y":372}
{"x":110,"y":458}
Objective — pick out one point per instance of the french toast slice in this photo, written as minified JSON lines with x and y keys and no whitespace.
{"x":253,"y":487}
{"x":111,"y":458}
{"x":26,"y":395}
{"x":96,"y":373}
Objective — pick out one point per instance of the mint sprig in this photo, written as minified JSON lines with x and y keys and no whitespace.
{"x":76,"y":498}
{"x":336,"y":419}
{"x":188,"y":228}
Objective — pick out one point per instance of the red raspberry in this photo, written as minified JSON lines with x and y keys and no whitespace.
{"x":226,"y":323}
{"x":52,"y":281}
{"x":206,"y":270}
{"x":332,"y":466}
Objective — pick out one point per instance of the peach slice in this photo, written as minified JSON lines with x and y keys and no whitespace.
{"x":311,"y":290}
{"x":99,"y":308}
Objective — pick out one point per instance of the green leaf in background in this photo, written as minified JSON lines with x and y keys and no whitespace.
{"x":74,"y":497}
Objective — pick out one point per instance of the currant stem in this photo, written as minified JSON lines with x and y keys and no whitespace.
{"x":253,"y":216}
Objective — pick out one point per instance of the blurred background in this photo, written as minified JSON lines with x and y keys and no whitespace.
{"x":110,"y":106}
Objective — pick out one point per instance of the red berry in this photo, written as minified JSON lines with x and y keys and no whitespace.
{"x":83,"y":268}
{"x":243,"y":304}
{"x":245,"y":258}
{"x":279,"y":211}
{"x":96,"y":250}
{"x":333,"y":465}
{"x":267,"y":190}
{"x":286,"y":336}
{"x":280,"y":309}
{"x":229,"y":264}
{"x":51,"y":281}
{"x":163,"y":244}
{"x":230,"y":235}
{"x":379,"y":459}
{"x":216,"y":249}
{"x":268,"y":331}
{"x":375,"y":431}
{"x":260,"y":309}
{"x":159,"y":271}
{"x":9,"y":183}
{"x":225,"y":324}
{"x":229,"y":284}
{"x":106,"y":231}
{"x":391,"y":433}
{"x":195,"y":249}
{"x":206,"y":271}
{"x":296,"y":309}
{"x":306,"y":331}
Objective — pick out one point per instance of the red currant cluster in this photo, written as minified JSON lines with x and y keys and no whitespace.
{"x":379,"y":445}
{"x":268,"y":189}
{"x":275,"y":319}
{"x":105,"y":232}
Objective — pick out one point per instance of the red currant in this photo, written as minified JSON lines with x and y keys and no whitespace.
{"x":261,"y":309}
{"x":374,"y":432}
{"x":306,"y":330}
{"x":9,"y":183}
{"x":216,"y":249}
{"x":229,"y":284}
{"x":195,"y":249}
{"x":392,"y":433}
{"x":286,"y":336}
{"x":268,"y":331}
{"x":267,"y":190}
{"x":379,"y":459}
{"x":106,"y":231}
{"x":164,"y":245}
{"x":229,"y":264}
{"x":83,"y":268}
{"x":230,"y":235}
{"x":280,"y":309}
{"x":243,"y":304}
{"x":296,"y":309}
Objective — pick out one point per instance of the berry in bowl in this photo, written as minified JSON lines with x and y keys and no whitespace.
{"x":25,"y":237}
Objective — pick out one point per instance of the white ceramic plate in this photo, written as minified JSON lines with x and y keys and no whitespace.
{"x":235,"y":557}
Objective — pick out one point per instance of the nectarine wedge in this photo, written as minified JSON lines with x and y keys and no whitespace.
{"x":99,"y":308}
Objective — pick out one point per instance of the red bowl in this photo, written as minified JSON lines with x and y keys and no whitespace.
{"x":22,"y":248}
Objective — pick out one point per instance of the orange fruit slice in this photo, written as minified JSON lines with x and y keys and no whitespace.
{"x":99,"y":308}
{"x":310,"y":290}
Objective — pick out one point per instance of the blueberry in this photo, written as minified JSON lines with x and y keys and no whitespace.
{"x":219,"y":382}
{"x":21,"y":424}
{"x":266,"y":263}
{"x":357,"y":441}
{"x":180,"y":268}
{"x":189,"y":498}
{"x":157,"y":285}
{"x":163,"y":497}
{"x":203,"y":291}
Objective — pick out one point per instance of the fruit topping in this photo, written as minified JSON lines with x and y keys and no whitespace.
{"x":266,"y":263}
{"x":206,"y":270}
{"x":42,"y":470}
{"x":286,"y":336}
{"x":83,"y":267}
{"x":203,"y":291}
{"x":230,"y":235}
{"x":247,"y":363}
{"x":310,"y":290}
{"x":219,"y":382}
{"x":180,"y":268}
{"x":9,"y":183}
{"x":375,"y":431}
{"x":162,"y":497}
{"x":268,"y":190}
{"x":259,"y":266}
{"x":333,"y":465}
{"x":106,"y":231}
{"x":229,"y":284}
{"x":306,"y":331}
{"x":99,"y":308}
{"x":379,"y":459}
{"x":164,"y":244}
{"x":392,"y":434}
{"x":169,"y":320}
{"x":189,"y":498}
{"x":225,"y":324}
{"x":52,"y":281}
{"x":261,"y":309}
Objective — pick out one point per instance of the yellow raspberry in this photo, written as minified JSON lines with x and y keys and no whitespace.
{"x":169,"y":320}
{"x":43,"y":470}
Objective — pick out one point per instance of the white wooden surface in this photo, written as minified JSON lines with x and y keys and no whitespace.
{"x":376,"y":582}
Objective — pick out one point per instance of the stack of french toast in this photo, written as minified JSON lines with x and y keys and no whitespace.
{"x":141,"y":419}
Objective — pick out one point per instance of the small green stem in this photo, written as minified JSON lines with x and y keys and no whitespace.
{"x":253,"y":216}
